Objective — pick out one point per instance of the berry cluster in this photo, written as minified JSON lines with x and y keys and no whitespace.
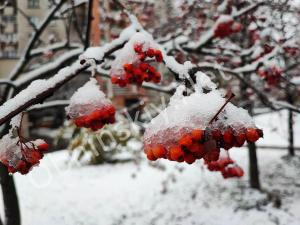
{"x":205,"y":144}
{"x":31,"y":154}
{"x":271,"y":75}
{"x":226,"y":166}
{"x":97,"y":118}
{"x":292,"y":51}
{"x":227,"y":28}
{"x":139,"y":71}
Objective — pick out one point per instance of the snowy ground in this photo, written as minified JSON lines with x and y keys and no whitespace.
{"x":167,"y":194}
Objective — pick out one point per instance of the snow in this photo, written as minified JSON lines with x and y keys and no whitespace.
{"x":86,"y":99}
{"x":164,"y":194}
{"x":26,"y":77}
{"x":127,"y":55}
{"x":253,"y":66}
{"x":210,"y":33}
{"x":63,"y":191}
{"x":98,"y":52}
{"x":276,"y":129}
{"x":16,"y":121}
{"x":185,"y":113}
{"x":10,"y":152}
{"x":37,"y":87}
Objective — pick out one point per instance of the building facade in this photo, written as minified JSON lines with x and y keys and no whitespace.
{"x":18,"y":20}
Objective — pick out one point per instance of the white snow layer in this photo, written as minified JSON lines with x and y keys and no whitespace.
{"x":98,"y":52}
{"x":86,"y":99}
{"x":167,"y":194}
{"x":35,"y":88}
{"x":195,"y":112}
{"x":127,"y":53}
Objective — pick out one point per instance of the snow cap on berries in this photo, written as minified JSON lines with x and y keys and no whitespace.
{"x":127,"y":55}
{"x":195,"y":112}
{"x":86,"y":99}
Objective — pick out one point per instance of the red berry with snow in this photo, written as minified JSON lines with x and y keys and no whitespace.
{"x":138,"y":71}
{"x":90,"y":108}
{"x":20,"y":155}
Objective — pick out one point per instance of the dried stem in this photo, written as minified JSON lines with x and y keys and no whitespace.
{"x":221,"y":109}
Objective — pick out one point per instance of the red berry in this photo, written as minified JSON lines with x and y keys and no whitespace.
{"x":252,"y":135}
{"x":150,"y":155}
{"x":158,"y":56}
{"x":114,"y":79}
{"x":138,"y":48}
{"x":142,"y":56}
{"x":197,"y":148}
{"x":197,"y":135}
{"x":212,"y":155}
{"x":156,"y":78}
{"x":216,"y":134}
{"x":228,"y":136}
{"x":159,"y":151}
{"x":129,"y":77}
{"x":239,"y":139}
{"x":128,"y":67}
{"x":175,"y":153}
{"x":152,"y":70}
{"x":146,"y":77}
{"x":144,"y":66}
{"x":186,"y":141}
{"x":150,"y":52}
{"x":189,"y":158}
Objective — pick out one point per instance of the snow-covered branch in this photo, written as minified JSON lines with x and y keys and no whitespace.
{"x":53,"y":47}
{"x":48,"y":68}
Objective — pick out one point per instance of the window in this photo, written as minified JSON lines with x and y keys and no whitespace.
{"x":33,"y":4}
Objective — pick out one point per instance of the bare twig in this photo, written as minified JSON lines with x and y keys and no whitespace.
{"x":88,"y":26}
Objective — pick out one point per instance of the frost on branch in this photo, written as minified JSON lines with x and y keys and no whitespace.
{"x":90,"y":108}
{"x":131,"y":65}
{"x":198,"y":126}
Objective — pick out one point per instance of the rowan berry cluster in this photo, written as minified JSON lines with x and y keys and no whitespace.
{"x":139,"y":71}
{"x":226,"y":166}
{"x":291,"y":51}
{"x":31,"y":154}
{"x":97,"y":118}
{"x":227,"y":28}
{"x":271,"y":75}
{"x":205,"y":144}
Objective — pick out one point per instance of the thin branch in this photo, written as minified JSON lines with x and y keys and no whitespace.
{"x":88,"y":26}
{"x":48,"y":68}
{"x":76,"y":25}
{"x":2,"y":7}
{"x":49,"y":104}
{"x":7,"y":82}
{"x":32,"y":24}
{"x":54,"y":47}
{"x":41,"y":96}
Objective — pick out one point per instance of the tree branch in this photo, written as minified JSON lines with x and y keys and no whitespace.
{"x":88,"y":26}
